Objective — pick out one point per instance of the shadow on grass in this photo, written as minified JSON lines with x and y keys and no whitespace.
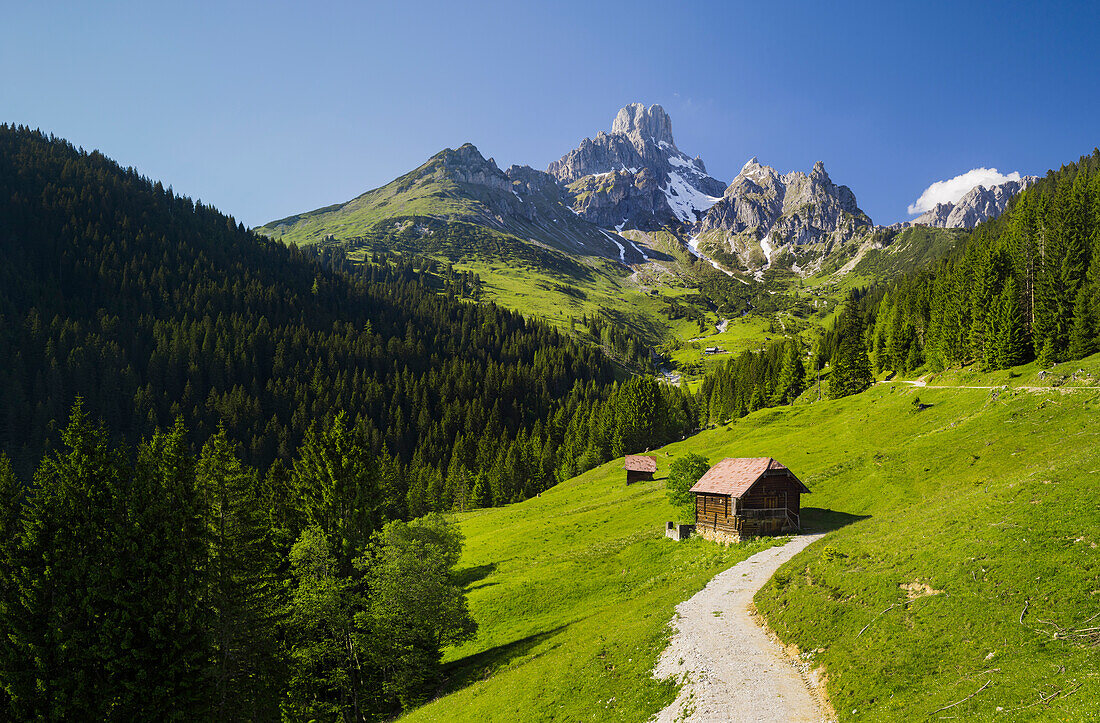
{"x":471,"y":588}
{"x":469,"y":575}
{"x":466,"y":671}
{"x":816,"y":519}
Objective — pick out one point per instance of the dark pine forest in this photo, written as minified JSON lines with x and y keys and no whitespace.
{"x":212,"y":446}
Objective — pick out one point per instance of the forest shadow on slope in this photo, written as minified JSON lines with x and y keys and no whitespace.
{"x":466,"y":671}
{"x":817,"y":519}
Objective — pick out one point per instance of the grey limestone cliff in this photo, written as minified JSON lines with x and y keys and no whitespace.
{"x":793,"y":208}
{"x":635,"y":176}
{"x":979,"y":204}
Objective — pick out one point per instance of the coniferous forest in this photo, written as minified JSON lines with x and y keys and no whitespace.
{"x":212,"y":444}
{"x":1025,"y":286}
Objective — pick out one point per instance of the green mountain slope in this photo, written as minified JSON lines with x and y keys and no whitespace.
{"x":984,"y":496}
{"x":455,"y":186}
{"x":517,"y":230}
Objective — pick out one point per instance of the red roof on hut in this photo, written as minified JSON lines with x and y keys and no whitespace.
{"x":640,"y":463}
{"x":734,"y":476}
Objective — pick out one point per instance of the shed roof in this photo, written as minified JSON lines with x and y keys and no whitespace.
{"x":734,"y":476}
{"x":640,"y":463}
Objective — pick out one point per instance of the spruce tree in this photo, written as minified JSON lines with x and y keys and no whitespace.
{"x":169,"y":610}
{"x":1010,"y":336}
{"x":65,"y":580}
{"x":337,"y":487}
{"x":242,"y":588}
{"x":1048,"y":357}
{"x":1082,"y":335}
{"x":851,"y":369}
{"x":913,"y":358}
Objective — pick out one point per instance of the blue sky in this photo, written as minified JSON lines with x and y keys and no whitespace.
{"x":267,"y":109}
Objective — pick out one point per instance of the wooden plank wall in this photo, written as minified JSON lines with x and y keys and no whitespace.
{"x":721,"y":512}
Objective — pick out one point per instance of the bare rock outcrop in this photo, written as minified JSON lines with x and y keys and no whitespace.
{"x":979,"y":204}
{"x":793,"y":208}
{"x":635,"y":176}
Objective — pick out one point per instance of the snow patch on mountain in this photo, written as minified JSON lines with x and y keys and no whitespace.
{"x":766,"y":247}
{"x":622,"y":249}
{"x":684,"y":199}
{"x":693,"y":247}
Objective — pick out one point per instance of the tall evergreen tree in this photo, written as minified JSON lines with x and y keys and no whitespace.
{"x":851,"y":368}
{"x":1082,"y":335}
{"x":242,"y":588}
{"x":1006,"y":333}
{"x":336,"y":484}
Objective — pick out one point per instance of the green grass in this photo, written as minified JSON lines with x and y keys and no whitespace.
{"x":987,"y":496}
{"x":607,"y":291}
{"x":907,"y":250}
{"x":573,"y":592}
{"x":743,"y":333}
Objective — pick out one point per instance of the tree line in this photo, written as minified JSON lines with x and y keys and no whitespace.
{"x":1023,"y":287}
{"x":154,"y":582}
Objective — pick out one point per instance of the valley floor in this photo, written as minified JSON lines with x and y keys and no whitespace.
{"x":732,"y":670}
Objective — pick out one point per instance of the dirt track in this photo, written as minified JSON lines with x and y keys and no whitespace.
{"x":734,"y":671}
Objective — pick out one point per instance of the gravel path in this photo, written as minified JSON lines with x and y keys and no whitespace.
{"x":735,"y":672}
{"x":1002,"y":387}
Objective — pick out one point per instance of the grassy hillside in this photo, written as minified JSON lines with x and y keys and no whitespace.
{"x":977,"y":560}
{"x":573,"y":592}
{"x":907,"y":250}
{"x":986,"y":497}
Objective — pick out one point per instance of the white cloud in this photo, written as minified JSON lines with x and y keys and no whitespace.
{"x":951,"y":190}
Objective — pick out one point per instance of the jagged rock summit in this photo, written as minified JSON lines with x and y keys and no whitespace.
{"x":793,"y":208}
{"x":636,"y":120}
{"x":635,"y":176}
{"x":979,"y":204}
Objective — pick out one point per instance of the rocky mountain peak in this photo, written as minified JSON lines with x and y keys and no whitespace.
{"x":652,"y":122}
{"x":635,"y":176}
{"x":465,"y":164}
{"x":792,"y":209}
{"x":978,"y":204}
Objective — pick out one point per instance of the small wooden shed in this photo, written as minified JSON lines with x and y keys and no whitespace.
{"x":746,"y":496}
{"x":639,"y":467}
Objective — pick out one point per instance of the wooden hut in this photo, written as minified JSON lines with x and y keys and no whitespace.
{"x":639,"y":467}
{"x":746,"y":496}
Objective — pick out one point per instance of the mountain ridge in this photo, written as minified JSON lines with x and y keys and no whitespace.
{"x":980,"y":203}
{"x":457,"y":185}
{"x":633,"y":178}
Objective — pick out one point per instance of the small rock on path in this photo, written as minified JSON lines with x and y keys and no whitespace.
{"x":735,"y":672}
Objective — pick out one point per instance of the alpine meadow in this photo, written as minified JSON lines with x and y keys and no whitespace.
{"x":601,"y":432}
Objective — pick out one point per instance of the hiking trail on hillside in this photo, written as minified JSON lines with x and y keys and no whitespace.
{"x":733,"y":670}
{"x":1001,"y":387}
